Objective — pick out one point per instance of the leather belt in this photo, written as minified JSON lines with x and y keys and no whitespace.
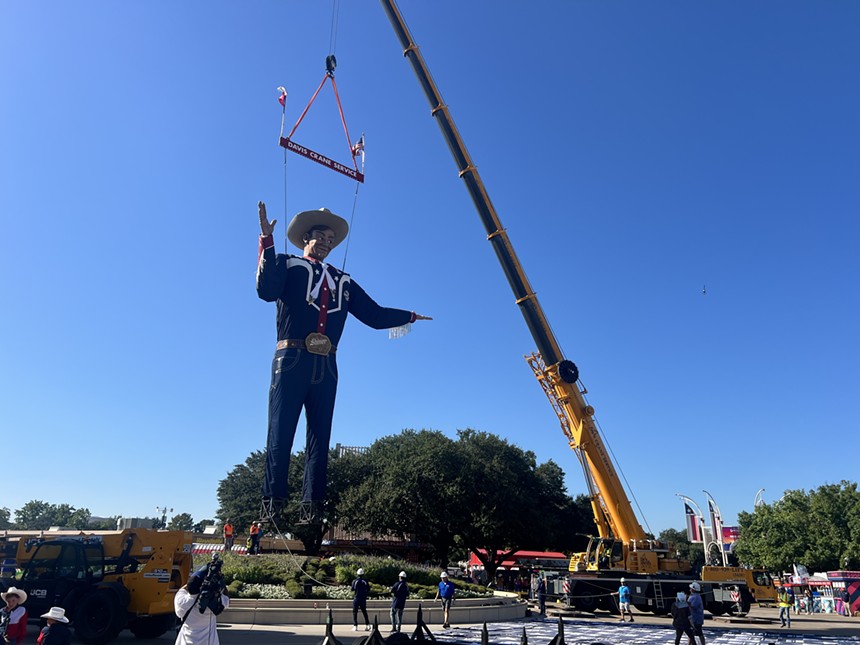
{"x":291,"y":343}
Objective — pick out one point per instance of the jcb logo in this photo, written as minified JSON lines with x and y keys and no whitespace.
{"x":39,"y":593}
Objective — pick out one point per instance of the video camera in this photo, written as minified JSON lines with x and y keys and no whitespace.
{"x":212,"y":587}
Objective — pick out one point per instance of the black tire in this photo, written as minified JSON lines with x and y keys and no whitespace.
{"x":584,"y":603}
{"x":717,"y":609}
{"x":152,"y":626}
{"x":610,"y":604}
{"x":99,"y":617}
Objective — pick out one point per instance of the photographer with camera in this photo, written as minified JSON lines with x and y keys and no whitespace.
{"x":198,"y":604}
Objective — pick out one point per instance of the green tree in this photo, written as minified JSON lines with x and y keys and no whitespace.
{"x":834,"y":509}
{"x":506,"y":498}
{"x":679,"y":544}
{"x":344,"y":472}
{"x":69,"y":516}
{"x":818,"y":528}
{"x":582,"y":525}
{"x":239,"y":492}
{"x":568,"y":521}
{"x":36,"y":515}
{"x":181,"y":522}
{"x":239,"y":496}
{"x":5,"y":518}
{"x":407,"y":485}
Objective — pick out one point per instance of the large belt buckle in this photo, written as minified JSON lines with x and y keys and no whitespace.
{"x":318,"y":344}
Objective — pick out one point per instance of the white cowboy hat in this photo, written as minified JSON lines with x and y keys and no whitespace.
{"x":306,"y":220}
{"x":22,"y":595}
{"x":58,"y":614}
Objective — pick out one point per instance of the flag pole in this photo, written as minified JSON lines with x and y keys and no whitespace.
{"x":700,"y":519}
{"x":717,"y":518}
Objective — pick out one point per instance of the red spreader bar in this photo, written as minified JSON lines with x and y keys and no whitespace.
{"x":322,"y":159}
{"x":289,"y":144}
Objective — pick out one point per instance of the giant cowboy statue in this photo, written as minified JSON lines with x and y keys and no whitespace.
{"x":313,"y":299}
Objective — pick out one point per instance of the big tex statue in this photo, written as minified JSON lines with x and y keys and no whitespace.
{"x":313,"y":299}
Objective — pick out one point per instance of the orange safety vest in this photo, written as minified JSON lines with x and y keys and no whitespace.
{"x":228,"y":530}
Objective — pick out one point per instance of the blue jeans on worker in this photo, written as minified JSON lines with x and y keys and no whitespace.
{"x":396,"y":618}
{"x":785,"y":616}
{"x":300,"y":379}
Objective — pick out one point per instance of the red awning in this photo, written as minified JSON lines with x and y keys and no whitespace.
{"x":521,"y":557}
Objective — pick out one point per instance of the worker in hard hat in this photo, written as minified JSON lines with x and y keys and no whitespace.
{"x":445,"y":593}
{"x":399,"y":594}
{"x":360,"y":589}
{"x":697,"y":610}
{"x":313,"y":300}
{"x":623,"y":594}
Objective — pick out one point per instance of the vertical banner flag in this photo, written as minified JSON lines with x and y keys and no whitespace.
{"x":694,"y":530}
{"x":716,"y":521}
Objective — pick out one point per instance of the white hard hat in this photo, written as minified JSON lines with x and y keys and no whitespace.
{"x":360,"y":572}
{"x":444,"y":574}
{"x":402,"y":574}
{"x":622,"y":579}
{"x":695,"y":586}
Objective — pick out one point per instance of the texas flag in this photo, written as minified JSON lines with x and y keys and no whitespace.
{"x":694,"y":528}
{"x":716,"y":520}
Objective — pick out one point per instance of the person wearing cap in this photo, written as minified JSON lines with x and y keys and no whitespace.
{"x":697,"y":610}
{"x":313,"y":300}
{"x":57,"y":630}
{"x":681,"y":619}
{"x":623,"y":594}
{"x":446,"y":594}
{"x":399,"y":594}
{"x":361,"y":588}
{"x":13,"y":617}
{"x":198,"y":628}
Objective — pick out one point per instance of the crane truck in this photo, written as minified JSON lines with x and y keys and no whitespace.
{"x":105,"y":580}
{"x":622,"y":548}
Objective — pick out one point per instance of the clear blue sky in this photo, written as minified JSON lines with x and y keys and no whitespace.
{"x":635,"y":152}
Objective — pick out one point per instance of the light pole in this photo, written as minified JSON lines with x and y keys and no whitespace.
{"x":758,"y":499}
{"x":163,"y":511}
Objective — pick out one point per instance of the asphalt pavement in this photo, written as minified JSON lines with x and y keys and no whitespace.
{"x":761,"y":627}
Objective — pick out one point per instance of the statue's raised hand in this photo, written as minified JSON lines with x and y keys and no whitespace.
{"x":266,"y":227}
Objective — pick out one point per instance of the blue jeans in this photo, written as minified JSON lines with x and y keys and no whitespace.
{"x":785,"y":615}
{"x":300,"y":380}
{"x":396,"y":618}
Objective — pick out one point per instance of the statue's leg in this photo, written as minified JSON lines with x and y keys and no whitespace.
{"x":319,"y":411}
{"x":291,"y":376}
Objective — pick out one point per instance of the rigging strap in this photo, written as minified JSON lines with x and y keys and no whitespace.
{"x":354,"y":150}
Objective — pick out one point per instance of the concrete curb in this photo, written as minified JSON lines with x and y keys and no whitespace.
{"x":315,"y":612}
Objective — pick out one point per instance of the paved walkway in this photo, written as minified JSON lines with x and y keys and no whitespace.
{"x":760,"y":628}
